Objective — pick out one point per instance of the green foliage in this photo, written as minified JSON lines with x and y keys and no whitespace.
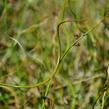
{"x":54,"y":54}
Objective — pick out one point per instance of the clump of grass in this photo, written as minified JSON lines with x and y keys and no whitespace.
{"x":44,"y":60}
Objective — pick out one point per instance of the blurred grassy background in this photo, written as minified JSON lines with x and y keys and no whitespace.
{"x":83,"y":72}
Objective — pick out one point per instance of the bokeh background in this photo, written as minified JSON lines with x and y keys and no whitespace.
{"x":29,"y":51}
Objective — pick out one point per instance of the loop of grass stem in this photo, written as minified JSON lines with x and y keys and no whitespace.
{"x":59,"y":59}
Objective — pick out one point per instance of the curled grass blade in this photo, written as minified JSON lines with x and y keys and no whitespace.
{"x":59,"y":58}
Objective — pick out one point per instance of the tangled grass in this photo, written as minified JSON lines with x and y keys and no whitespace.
{"x":38,"y":67}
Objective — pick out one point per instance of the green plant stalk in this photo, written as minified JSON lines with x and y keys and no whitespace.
{"x":43,"y":104}
{"x":102,"y":94}
{"x":46,"y":92}
{"x":103,"y":100}
{"x":74,"y":14}
{"x":63,"y":10}
{"x":60,"y":59}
